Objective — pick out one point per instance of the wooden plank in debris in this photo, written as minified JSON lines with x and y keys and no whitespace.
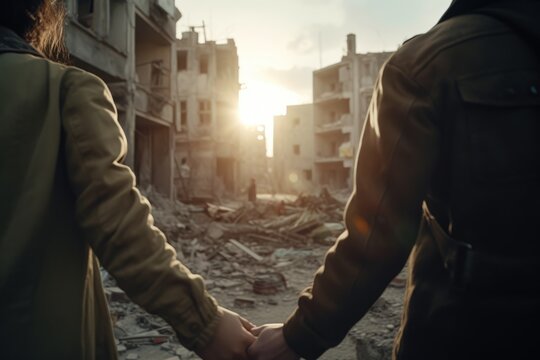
{"x":258,"y":237}
{"x":220,"y":207}
{"x":293,"y":236}
{"x":306,"y":227}
{"x":246,"y":250}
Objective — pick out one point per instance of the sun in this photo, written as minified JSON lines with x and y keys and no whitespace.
{"x":260,"y":101}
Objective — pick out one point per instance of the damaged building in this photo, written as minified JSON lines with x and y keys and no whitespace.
{"x":130,"y":45}
{"x":294,"y":149}
{"x":208,"y":92}
{"x":341,"y":97}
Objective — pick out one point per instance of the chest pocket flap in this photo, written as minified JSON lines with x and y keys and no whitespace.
{"x":517,"y":88}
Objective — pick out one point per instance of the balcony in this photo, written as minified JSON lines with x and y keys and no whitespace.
{"x":343,"y":125}
{"x":202,"y":132}
{"x":334,"y":91}
{"x":154,"y":105}
{"x":152,"y":96}
{"x":342,"y":154}
{"x":328,"y":159}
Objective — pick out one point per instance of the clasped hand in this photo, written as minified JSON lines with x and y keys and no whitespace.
{"x":238,"y":339}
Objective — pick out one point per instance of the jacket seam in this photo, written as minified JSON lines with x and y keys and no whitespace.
{"x":456,"y":42}
{"x":412,"y":79}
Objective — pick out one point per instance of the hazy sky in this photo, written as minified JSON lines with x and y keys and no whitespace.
{"x":281,"y":42}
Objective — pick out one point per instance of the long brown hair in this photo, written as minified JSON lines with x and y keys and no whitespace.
{"x":39,"y":22}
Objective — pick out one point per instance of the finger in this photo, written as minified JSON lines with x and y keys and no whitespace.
{"x":248,"y":338}
{"x":257,"y":330}
{"x":248,"y":325}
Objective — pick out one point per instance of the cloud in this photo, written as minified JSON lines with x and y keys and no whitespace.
{"x":295,"y":79}
{"x":318,"y":35}
{"x":302,"y":44}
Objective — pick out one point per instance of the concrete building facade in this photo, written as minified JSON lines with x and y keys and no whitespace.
{"x":341,"y":97}
{"x":208,"y":136}
{"x":130,"y":45}
{"x":294,"y":149}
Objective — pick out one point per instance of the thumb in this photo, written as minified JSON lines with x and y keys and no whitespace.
{"x":256,"y":331}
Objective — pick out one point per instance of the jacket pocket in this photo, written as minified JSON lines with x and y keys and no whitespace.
{"x":503,"y":124}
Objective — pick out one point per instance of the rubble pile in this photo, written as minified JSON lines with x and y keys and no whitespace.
{"x":251,"y":255}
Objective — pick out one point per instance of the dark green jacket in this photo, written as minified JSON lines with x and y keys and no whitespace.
{"x":66,"y":201}
{"x":455,"y":123}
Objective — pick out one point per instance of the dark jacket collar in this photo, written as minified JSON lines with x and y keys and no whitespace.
{"x":463,"y":7}
{"x":519,"y":15}
{"x":10,"y":42}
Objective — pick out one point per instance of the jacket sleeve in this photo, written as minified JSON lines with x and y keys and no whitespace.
{"x":116,"y":219}
{"x":397,"y":153}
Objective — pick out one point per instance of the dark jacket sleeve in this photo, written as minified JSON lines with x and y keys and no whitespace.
{"x":397,"y":153}
{"x":116,"y":219}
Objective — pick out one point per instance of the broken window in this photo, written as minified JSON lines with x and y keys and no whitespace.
{"x":296,"y":149}
{"x":334,"y":149}
{"x":182,"y":60}
{"x":85,"y":12}
{"x":308,"y":175}
{"x":203,"y":64}
{"x":183,"y":115}
{"x":205,"y":113}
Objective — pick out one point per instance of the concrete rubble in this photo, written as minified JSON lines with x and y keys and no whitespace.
{"x":256,"y":258}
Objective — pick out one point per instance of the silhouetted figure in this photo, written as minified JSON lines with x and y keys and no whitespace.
{"x":185,"y":179}
{"x":252,"y":190}
{"x":447,"y":176}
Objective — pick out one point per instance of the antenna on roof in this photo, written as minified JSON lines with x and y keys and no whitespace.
{"x":320,"y":50}
{"x":203,"y":26}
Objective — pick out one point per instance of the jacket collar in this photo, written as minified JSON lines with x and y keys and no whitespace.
{"x":463,"y":7}
{"x":10,"y":42}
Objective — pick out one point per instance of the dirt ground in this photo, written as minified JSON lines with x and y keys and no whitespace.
{"x":375,"y":331}
{"x":256,"y":263}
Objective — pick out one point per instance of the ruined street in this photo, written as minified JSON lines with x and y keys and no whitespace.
{"x":256,"y":259}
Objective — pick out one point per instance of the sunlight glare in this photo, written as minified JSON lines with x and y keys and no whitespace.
{"x":260,"y":101}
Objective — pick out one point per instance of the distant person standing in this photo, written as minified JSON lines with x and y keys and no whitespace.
{"x":185,"y":177}
{"x":252,"y":190}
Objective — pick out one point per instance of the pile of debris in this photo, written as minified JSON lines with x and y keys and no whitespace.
{"x":240,"y":249}
{"x":249,"y":254}
{"x":308,"y":218}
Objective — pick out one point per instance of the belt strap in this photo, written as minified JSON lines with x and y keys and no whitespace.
{"x":475,"y":270}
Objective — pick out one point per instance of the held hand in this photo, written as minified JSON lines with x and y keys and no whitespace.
{"x":231,"y":339}
{"x":270,"y":344}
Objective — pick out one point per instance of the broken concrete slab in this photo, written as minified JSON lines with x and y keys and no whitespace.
{"x":244,"y":302}
{"x":246,"y":250}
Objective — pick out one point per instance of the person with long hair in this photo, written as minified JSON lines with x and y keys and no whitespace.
{"x":68,"y":205}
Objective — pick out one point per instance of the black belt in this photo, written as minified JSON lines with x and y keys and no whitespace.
{"x":470,"y":269}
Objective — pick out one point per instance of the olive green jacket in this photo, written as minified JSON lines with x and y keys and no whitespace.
{"x":67,"y":201}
